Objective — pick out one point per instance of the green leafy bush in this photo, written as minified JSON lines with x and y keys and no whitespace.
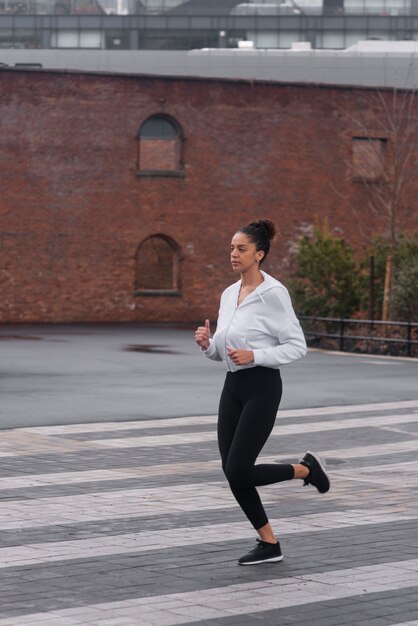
{"x":326,"y":282}
{"x":403,"y":301}
{"x":329,"y":283}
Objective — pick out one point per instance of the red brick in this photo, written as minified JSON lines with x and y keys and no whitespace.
{"x":73,"y":209}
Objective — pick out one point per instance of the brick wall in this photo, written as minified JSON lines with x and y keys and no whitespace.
{"x":73,"y":209}
{"x":157,"y":154}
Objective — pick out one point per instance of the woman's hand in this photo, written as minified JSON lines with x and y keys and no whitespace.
{"x":241,"y":357}
{"x":202,"y":335}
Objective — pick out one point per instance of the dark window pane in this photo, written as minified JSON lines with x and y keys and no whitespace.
{"x":158,"y":128}
{"x":159,"y":145}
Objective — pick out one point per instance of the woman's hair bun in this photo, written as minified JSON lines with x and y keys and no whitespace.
{"x":268,"y":225}
{"x":260,"y":232}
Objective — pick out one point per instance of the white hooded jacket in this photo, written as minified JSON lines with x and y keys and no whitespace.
{"x":264,"y":322}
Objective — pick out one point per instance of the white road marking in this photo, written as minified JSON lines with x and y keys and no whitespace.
{"x":182,"y":469}
{"x":239,"y":599}
{"x":175,"y":537}
{"x":16,"y":443}
{"x":377,"y":421}
{"x":211,"y":419}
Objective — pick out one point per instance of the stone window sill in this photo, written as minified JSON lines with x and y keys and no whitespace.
{"x":170,"y":293}
{"x":166,"y":173}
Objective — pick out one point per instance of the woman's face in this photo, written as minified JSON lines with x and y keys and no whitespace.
{"x":244,"y":255}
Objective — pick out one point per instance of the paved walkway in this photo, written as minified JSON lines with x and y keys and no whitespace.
{"x":131,"y":524}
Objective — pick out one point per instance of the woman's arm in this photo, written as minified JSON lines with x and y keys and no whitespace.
{"x":292,"y":347}
{"x":286,"y":329}
{"x":207,"y":345}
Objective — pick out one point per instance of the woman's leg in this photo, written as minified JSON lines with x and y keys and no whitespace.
{"x":251,"y":433}
{"x":228,"y":417}
{"x":230,"y":409}
{"x":247,"y":413}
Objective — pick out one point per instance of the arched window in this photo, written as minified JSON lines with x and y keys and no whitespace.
{"x":160,"y":147}
{"x":158,"y":267}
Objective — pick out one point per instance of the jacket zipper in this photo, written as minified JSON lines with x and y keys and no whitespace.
{"x":226,"y":345}
{"x":229,"y":325}
{"x":226,"y":342}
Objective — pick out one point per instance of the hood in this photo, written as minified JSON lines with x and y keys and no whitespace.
{"x":268,"y":283}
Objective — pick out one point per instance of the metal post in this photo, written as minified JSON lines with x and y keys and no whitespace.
{"x":371,"y":292}
{"x":386,"y":290}
{"x":409,"y":337}
{"x":342,"y":335}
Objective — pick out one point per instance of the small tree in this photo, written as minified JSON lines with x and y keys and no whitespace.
{"x":326,"y":282}
{"x":386,"y":132}
{"x":405,"y":289}
{"x":405,"y":299}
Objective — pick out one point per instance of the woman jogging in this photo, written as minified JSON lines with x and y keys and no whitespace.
{"x":257,"y":332}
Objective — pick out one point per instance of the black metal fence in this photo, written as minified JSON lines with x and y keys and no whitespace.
{"x":367,"y":336}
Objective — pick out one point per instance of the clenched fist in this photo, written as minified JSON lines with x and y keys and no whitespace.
{"x":202,"y":335}
{"x":241,"y":357}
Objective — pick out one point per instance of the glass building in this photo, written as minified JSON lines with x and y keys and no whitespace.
{"x":191,"y":24}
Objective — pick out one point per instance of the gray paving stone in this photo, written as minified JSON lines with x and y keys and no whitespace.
{"x":407,"y":616}
{"x":373,"y":622}
{"x":85,"y":583}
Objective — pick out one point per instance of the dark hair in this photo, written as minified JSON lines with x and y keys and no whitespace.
{"x":260,"y":232}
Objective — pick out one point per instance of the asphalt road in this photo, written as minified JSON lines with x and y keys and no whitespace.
{"x":60,"y":374}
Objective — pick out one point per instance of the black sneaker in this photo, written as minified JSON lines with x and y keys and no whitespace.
{"x":317,"y":475}
{"x":262,"y":553}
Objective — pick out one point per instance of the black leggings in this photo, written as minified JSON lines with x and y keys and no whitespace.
{"x":247,"y":411}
